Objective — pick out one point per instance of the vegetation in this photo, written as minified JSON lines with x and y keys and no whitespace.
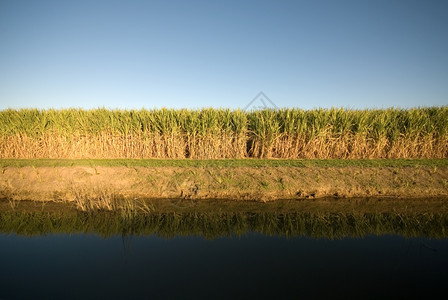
{"x":224,"y":133}
{"x":224,"y":163}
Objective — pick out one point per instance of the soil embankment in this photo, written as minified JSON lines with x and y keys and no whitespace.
{"x":238,"y":183}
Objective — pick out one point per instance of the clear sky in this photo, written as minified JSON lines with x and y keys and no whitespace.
{"x":306,"y":54}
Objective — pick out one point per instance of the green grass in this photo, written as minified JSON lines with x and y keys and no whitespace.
{"x":224,"y":163}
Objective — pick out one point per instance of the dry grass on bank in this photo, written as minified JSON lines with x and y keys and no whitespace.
{"x":102,"y":187}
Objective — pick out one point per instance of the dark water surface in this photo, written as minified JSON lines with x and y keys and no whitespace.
{"x":282,"y":252}
{"x":252,"y":266}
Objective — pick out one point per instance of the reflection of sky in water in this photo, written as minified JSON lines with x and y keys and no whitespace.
{"x":251,"y":266}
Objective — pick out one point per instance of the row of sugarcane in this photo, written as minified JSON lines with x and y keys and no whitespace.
{"x":224,"y":133}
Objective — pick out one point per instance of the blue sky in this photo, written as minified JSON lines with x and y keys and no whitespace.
{"x":306,"y":54}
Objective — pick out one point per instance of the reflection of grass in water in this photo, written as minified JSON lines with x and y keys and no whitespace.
{"x":104,"y":200}
{"x":213,"y":225}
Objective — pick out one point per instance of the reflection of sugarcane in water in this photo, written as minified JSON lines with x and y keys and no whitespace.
{"x":187,"y":221}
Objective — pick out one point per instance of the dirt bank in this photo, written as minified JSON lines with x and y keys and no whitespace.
{"x":239,"y":183}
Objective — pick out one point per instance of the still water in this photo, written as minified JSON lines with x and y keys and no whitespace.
{"x":245,"y":257}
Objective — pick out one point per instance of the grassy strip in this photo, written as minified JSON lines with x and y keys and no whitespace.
{"x":225,"y":163}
